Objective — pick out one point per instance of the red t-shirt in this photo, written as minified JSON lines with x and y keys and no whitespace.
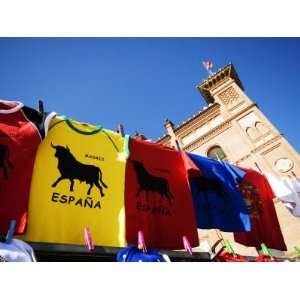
{"x":265,"y":227}
{"x":21,"y":131}
{"x":158,"y":199}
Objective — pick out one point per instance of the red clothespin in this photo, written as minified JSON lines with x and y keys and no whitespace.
{"x":88,"y":239}
{"x":141,"y":241}
{"x":187,"y":245}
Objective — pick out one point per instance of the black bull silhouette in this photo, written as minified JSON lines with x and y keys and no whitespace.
{"x":150,"y":183}
{"x":4,"y":160}
{"x":72,"y":169}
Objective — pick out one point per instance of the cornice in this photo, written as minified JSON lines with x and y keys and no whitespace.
{"x":211,"y":110}
{"x":208,"y":136}
{"x":261,"y":147}
{"x":242,"y":159}
{"x":261,"y":137}
{"x":270,"y":149}
{"x":269,"y":142}
{"x":199,"y":121}
{"x":236,"y":106}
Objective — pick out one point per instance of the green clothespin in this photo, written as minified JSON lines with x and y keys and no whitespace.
{"x":297,"y":251}
{"x":266,"y":250}
{"x":229,"y":248}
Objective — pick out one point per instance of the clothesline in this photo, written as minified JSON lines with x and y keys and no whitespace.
{"x":78,"y":175}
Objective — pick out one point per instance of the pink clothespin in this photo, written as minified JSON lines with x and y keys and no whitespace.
{"x":187,"y":245}
{"x":141,"y":241}
{"x":88,"y":239}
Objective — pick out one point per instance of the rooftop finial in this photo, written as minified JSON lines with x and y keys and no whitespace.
{"x":167,"y":121}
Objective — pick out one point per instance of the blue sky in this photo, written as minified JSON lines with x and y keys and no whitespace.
{"x":141,"y":81}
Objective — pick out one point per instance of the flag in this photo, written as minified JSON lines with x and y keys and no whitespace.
{"x":208,"y":65}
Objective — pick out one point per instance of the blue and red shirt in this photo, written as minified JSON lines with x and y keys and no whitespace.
{"x":217,"y":201}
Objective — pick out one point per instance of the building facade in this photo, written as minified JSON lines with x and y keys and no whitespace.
{"x":232,"y":127}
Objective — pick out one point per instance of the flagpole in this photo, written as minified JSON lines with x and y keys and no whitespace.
{"x":210,"y":72}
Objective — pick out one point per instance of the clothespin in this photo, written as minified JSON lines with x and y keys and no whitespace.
{"x":187,"y":245}
{"x":88,"y":239}
{"x":122,"y":156}
{"x":121,"y":129}
{"x":10,"y":232}
{"x":141,"y":241}
{"x":258,"y":168}
{"x":229,"y":248}
{"x":266,"y":250}
{"x":177,"y":145}
{"x":41,"y":106}
{"x":297,"y":251}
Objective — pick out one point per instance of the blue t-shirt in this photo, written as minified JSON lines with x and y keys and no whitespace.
{"x":133,"y":254}
{"x":217,"y":201}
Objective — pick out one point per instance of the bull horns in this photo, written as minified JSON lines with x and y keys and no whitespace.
{"x":53,"y":146}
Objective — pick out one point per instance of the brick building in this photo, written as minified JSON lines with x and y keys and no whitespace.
{"x":232,"y":127}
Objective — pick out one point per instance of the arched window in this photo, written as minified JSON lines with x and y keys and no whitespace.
{"x":252,"y":133}
{"x":261,"y":127}
{"x":216,"y":152}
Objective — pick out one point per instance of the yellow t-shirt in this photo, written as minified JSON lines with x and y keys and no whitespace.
{"x":78,"y":181}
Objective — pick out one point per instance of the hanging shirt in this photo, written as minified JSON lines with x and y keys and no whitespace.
{"x":21,"y":131}
{"x":265,"y":227}
{"x":280,"y":189}
{"x":292,"y":201}
{"x":285,"y":189}
{"x":217,"y":200}
{"x":78,"y":182}
{"x":16,"y":251}
{"x":157,"y":196}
